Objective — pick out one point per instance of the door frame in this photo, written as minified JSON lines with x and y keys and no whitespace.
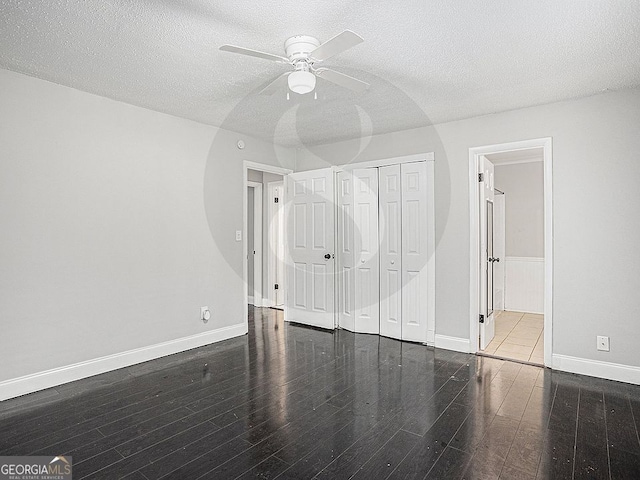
{"x":261,"y":167}
{"x":272,"y":253}
{"x":257,"y":243}
{"x":474,"y":237}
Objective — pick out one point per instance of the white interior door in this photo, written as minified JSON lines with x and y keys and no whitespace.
{"x":499,"y":236}
{"x":367,"y":266}
{"x":345,"y":260}
{"x":415,"y":252}
{"x":390,"y":251}
{"x":487,"y":325}
{"x":310,"y":244}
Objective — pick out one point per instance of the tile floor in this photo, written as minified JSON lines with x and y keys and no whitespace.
{"x":519,"y":336}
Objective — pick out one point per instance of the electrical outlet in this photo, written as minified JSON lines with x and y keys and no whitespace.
{"x":205,"y":314}
{"x":238,"y":235}
{"x":602,"y":343}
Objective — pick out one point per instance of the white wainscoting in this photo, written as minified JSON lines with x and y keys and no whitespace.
{"x":524,"y":284}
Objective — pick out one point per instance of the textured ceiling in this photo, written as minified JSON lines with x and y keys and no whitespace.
{"x":427,"y":61}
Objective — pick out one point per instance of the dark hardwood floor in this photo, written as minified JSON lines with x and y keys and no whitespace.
{"x":291,"y":402}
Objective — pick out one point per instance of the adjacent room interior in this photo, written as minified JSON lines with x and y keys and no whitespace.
{"x":321,"y":239}
{"x":516,"y":261}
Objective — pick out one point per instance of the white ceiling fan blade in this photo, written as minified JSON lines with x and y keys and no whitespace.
{"x":277,"y":85}
{"x":342,"y":80}
{"x":254,"y":53}
{"x":338,"y":44}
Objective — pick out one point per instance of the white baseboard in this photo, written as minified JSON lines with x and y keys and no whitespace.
{"x":523,"y":311}
{"x":596,"y":368}
{"x":57,"y":376}
{"x":456,"y":344}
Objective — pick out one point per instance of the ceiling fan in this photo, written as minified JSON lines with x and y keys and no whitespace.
{"x":303,"y":53}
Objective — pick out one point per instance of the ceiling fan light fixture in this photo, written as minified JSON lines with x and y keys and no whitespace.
{"x":302,"y":53}
{"x":301,"y":82}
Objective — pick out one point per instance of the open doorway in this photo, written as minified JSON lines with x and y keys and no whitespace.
{"x":254,"y":242}
{"x":511,"y":251}
{"x":263,"y":235}
{"x":276,"y":242}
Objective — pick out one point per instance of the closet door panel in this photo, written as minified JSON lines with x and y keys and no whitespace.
{"x":366,"y":260}
{"x":390,"y":201}
{"x":346,"y":276}
{"x":415,"y":234}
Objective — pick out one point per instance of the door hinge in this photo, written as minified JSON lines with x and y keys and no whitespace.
{"x":276,"y":200}
{"x":276,"y":286}
{"x":481,"y":318}
{"x":481,"y":177}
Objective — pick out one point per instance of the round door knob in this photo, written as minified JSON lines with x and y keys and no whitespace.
{"x":327,"y":256}
{"x":393,"y":262}
{"x":362,"y":261}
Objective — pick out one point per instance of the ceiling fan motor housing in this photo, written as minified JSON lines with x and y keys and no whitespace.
{"x":298,"y":47}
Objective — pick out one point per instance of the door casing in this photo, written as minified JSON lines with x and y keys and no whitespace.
{"x":474,"y":237}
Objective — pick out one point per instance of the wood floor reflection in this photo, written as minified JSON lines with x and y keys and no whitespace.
{"x":291,"y":402}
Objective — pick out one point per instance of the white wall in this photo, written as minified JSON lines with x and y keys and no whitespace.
{"x":523,"y":186}
{"x":118,"y":223}
{"x":596,"y":174}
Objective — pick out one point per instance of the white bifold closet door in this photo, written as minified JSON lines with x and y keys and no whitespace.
{"x":390,"y":252}
{"x":367,"y":266}
{"x":346,"y":281}
{"x":359,"y":268}
{"x":404,"y":251}
{"x":415,"y":251}
{"x":383,"y":249}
